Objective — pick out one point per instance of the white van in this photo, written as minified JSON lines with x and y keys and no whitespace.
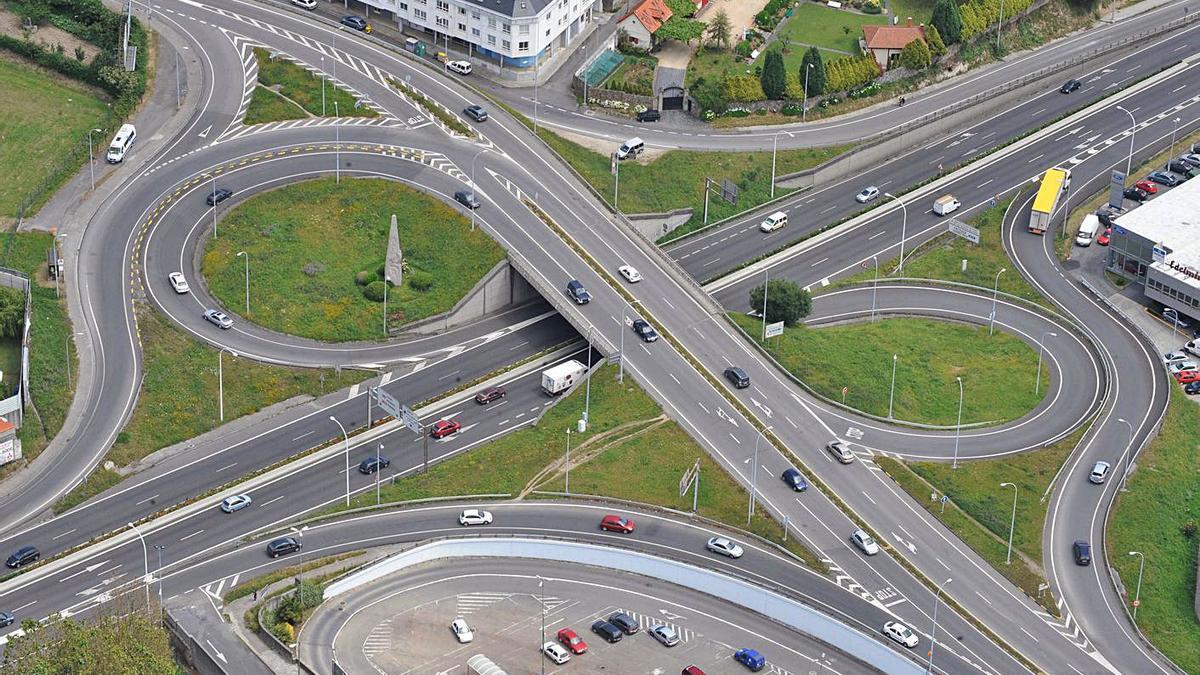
{"x":121,"y":143}
{"x":1087,"y":230}
{"x":945,"y":205}
{"x":630,"y":148}
{"x":774,"y":222}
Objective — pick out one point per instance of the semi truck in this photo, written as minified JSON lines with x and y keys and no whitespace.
{"x":560,"y":378}
{"x":1054,"y":181}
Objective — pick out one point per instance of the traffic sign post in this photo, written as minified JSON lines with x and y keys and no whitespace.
{"x":691,"y":477}
{"x":386,"y":401}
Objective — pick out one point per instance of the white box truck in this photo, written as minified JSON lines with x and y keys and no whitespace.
{"x":946,"y":204}
{"x":560,"y":378}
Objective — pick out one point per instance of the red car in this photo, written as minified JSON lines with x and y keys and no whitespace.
{"x":443,"y":428}
{"x":572,"y":641}
{"x":1187,"y":376}
{"x":490,"y":394}
{"x":1146,"y":186}
{"x":1104,"y":238}
{"x":617,"y":524}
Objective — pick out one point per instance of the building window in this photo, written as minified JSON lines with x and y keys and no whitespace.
{"x":404,"y":7}
{"x":547,"y":32}
{"x":474,"y":16}
{"x":442,"y":5}
{"x":462,"y":27}
{"x":443,"y":22}
{"x":492,"y":40}
{"x":507,"y":45}
{"x":523,"y":46}
{"x":419,"y":14}
{"x":507,"y":29}
{"x":462,"y":10}
{"x":491,"y":22}
{"x":474,"y":32}
{"x":523,"y":29}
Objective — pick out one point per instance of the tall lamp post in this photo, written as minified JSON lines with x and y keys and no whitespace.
{"x":774,"y":150}
{"x":903,"y":229}
{"x":1175,"y":128}
{"x":804,"y":108}
{"x":1129,"y":460}
{"x":1012,"y":526}
{"x":91,"y":159}
{"x":378,"y":471}
{"x":995,"y":292}
{"x":933,"y":637}
{"x":1037,"y":388}
{"x":145,"y":563}
{"x":474,"y":188}
{"x":346,"y":437}
{"x":158,"y":573}
{"x":542,"y":602}
{"x":337,"y":143}
{"x":754,"y":474}
{"x":892,"y":395}
{"x":874,"y":287}
{"x":1137,"y":596}
{"x":958,"y":427}
{"x":247,"y":257}
{"x":567,"y":464}
{"x":1132,"y":129}
{"x":221,"y":379}
{"x":213,"y":177}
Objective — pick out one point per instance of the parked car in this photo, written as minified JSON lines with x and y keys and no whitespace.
{"x":868,"y":193}
{"x":23,"y":556}
{"x":1191,"y":157}
{"x":1099,"y":472}
{"x":1181,"y":169}
{"x":626,"y":623}
{"x":1165,"y":178}
{"x":864,"y":542}
{"x":1178,"y":356}
{"x":306,"y":4}
{"x":645,"y":330}
{"x":667,"y":635}
{"x":1192,"y":388}
{"x":218,"y":195}
{"x":738,"y":377}
{"x":1083,"y":552}
{"x":724,"y":546}
{"x":283,"y":546}
{"x":555,"y":653}
{"x":467,"y":198}
{"x":607,"y":631}
{"x":750,"y":658}
{"x":571,"y":640}
{"x":1105,"y":237}
{"x":1146,"y":186}
{"x":650,"y":115}
{"x":1187,"y":376}
{"x":372,"y":464}
{"x":615,"y":523}
{"x":474,"y":517}
{"x":840,"y":451}
{"x":356,"y":22}
{"x":578,"y":293}
{"x":795,"y":480}
{"x":490,"y":395}
{"x":462,"y":631}
{"x":901,"y":634}
{"x":218,"y":318}
{"x":631,"y":275}
{"x":1070,"y":86}
{"x":1135,"y":194}
{"x":460,"y":67}
{"x":476,"y":112}
{"x":235,"y":503}
{"x":1174,"y":319}
{"x":178,"y":282}
{"x":1192,"y":347}
{"x":1182,"y":367}
{"x":692,"y":670}
{"x":443,"y":428}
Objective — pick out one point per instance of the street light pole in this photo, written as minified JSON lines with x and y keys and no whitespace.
{"x":774,"y":150}
{"x":933,"y":637}
{"x":587,"y":390}
{"x":213,"y":176}
{"x":378,"y":470}
{"x":1132,"y":129}
{"x":473,"y":186}
{"x":542,"y":602}
{"x":145,"y":563}
{"x":158,"y":573}
{"x":958,"y":427}
{"x":1038,"y":385}
{"x":766,"y":288}
{"x":322,"y":86}
{"x":567,"y":464}
{"x":754,"y":474}
{"x":892,"y":396}
{"x":91,"y":159}
{"x":337,"y":143}
{"x":347,"y":439}
{"x":995,"y":292}
{"x":247,"y":256}
{"x":1013,"y":523}
{"x":903,"y":229}
{"x":875,"y":287}
{"x":1137,"y":596}
{"x":621,"y":349}
{"x":1129,"y":460}
{"x":221,"y":380}
{"x":1175,"y":128}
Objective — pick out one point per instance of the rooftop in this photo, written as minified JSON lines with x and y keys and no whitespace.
{"x":892,"y":37}
{"x":514,"y":8}
{"x":1172,"y":220}
{"x":652,"y":13}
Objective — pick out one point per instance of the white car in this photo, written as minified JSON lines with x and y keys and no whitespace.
{"x":840,"y":451}
{"x":724,"y":546}
{"x":306,"y":4}
{"x":475,"y":517}
{"x":460,"y":67}
{"x":1192,"y":347}
{"x":178,"y":282}
{"x":1178,"y":356}
{"x":901,"y":633}
{"x":1182,"y":367}
{"x":462,"y":632}
{"x":668,"y":636}
{"x":556,"y":653}
{"x":1099,"y":472}
{"x":867,"y":194}
{"x":631,"y":275}
{"x":864,"y":542}
{"x":235,"y":503}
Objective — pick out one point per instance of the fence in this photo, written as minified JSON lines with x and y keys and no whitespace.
{"x":12,"y":408}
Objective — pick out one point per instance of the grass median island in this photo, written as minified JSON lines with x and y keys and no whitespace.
{"x":630,"y":451}
{"x":43,"y":118}
{"x":1157,"y":516}
{"x":998,"y":371}
{"x":309,"y":242}
{"x":289,"y":91}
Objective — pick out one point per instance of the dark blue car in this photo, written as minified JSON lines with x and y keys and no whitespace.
{"x":355,"y":22}
{"x":1164,"y":178}
{"x":795,"y":480}
{"x":751,"y":659}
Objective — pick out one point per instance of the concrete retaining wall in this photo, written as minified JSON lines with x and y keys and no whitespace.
{"x":190,"y":650}
{"x":499,"y":289}
{"x":654,"y":225}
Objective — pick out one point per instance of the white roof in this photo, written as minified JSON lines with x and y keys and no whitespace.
{"x":1172,"y":220}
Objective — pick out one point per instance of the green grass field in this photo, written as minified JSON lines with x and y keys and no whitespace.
{"x":334,"y":230}
{"x":1153,"y":517}
{"x":43,"y":118}
{"x":998,"y":371}
{"x":267,"y":106}
{"x":824,"y":26}
{"x":301,"y":86}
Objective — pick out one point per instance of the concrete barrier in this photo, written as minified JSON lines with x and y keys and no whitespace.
{"x":500,"y":288}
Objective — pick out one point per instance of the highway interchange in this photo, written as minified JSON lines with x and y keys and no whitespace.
{"x":149,"y":226}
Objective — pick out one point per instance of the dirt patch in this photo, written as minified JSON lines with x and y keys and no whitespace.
{"x":741,"y":13}
{"x":49,"y":36}
{"x":607,"y":147}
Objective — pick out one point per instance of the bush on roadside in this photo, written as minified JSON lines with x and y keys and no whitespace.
{"x":374,"y":291}
{"x":742,"y":88}
{"x":872,"y":7}
{"x":851,"y":72}
{"x":362,"y":278}
{"x":420,"y":281}
{"x":915,"y":55}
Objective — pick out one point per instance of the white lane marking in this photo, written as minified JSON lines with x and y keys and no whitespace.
{"x":147,"y":499}
{"x":63,"y":534}
{"x":186,"y":537}
{"x":271,"y":501}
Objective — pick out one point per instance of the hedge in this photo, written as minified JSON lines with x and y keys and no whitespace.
{"x":979,"y":15}
{"x":850,"y":72}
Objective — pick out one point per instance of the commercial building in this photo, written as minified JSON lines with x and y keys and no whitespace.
{"x":1158,"y":245}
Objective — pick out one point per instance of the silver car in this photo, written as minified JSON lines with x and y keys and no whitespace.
{"x":724,"y":546}
{"x":1099,"y":472}
{"x":667,"y":635}
{"x":218,"y":318}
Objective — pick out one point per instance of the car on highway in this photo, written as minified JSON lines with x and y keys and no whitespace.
{"x":649,"y":115}
{"x":490,"y":395}
{"x":795,"y":480}
{"x":901,"y":634}
{"x":356,"y":22}
{"x":631,"y":275}
{"x":23,"y":556}
{"x":667,"y":635}
{"x":738,"y":377}
{"x":1187,"y":376}
{"x":578,"y":293}
{"x":626,"y":623}
{"x":283,"y":546}
{"x":1177,"y":356}
{"x":571,"y":640}
{"x":462,"y":631}
{"x":1192,"y":388}
{"x":1135,"y":194}
{"x":475,"y":517}
{"x":6,"y":619}
{"x":1105,"y":237}
{"x":235,"y":503}
{"x":606,"y":630}
{"x":644,"y":330}
{"x":724,"y":546}
{"x":460,"y":67}
{"x":476,"y":112}
{"x":1165,"y":178}
{"x":773,"y":222}
{"x":864,"y":542}
{"x":1070,"y":86}
{"x":467,"y":198}
{"x":443,"y":428}
{"x":840,"y":451}
{"x":1099,"y":472}
{"x":373,"y":463}
{"x":178,"y":282}
{"x":1082,"y":552}
{"x":1182,"y":367}
{"x":305,"y":4}
{"x":750,"y":658}
{"x":1181,"y":169}
{"x":218,"y":318}
{"x":218,"y":195}
{"x":1146,"y":186}
{"x":615,"y":523}
{"x":868,"y":193}
{"x":555,"y":653}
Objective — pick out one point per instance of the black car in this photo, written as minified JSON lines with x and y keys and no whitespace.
{"x":1136,"y":194}
{"x":1192,"y":388}
{"x":23,"y":556}
{"x":370,"y":465}
{"x":1070,"y":86}
{"x":476,"y":113}
{"x":738,"y":377}
{"x":795,"y":480}
{"x":607,"y":631}
{"x":1182,"y":168}
{"x":355,"y":22}
{"x":217,"y":196}
{"x":1083,"y":552}
{"x":649,"y":116}
{"x":1105,"y":217}
{"x":644,"y":330}
{"x":578,"y":293}
{"x":467,"y":198}
{"x":282,"y":546}
{"x":626,"y":623}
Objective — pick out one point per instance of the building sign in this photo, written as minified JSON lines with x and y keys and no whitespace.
{"x":1116,"y":190}
{"x":1182,"y":269}
{"x":1159,"y":253}
{"x":774,"y":329}
{"x":10,"y":450}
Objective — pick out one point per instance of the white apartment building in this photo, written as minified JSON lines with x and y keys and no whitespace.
{"x":509,"y":32}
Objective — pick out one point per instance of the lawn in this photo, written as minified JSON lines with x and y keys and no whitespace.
{"x":10,"y":354}
{"x":823,"y":26}
{"x":628,"y":431}
{"x":997,"y":371}
{"x":715,"y":64}
{"x":919,"y":10}
{"x":635,"y":75}
{"x":46,"y":118}
{"x":304,"y":87}
{"x":307,"y":241}
{"x":1158,"y":516}
{"x":267,"y":106}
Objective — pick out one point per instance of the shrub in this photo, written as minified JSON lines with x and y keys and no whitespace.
{"x":872,"y":7}
{"x":791,"y":110}
{"x":816,"y":78}
{"x":744,"y":48}
{"x":374,"y":291}
{"x":948,"y":20}
{"x":1189,"y":529}
{"x":709,"y":96}
{"x":867,"y":91}
{"x":915,"y":55}
{"x":420,"y":281}
{"x":362,"y":278}
{"x":742,"y":88}
{"x":936,"y":46}
{"x":849,"y":73}
{"x":773,"y":78}
{"x":80,"y":54}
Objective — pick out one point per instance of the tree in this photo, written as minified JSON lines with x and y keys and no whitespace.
{"x":792,"y":89}
{"x":915,"y":55}
{"x":720,"y":30}
{"x":676,"y":28}
{"x":816,"y":76}
{"x":786,"y":301}
{"x":936,"y":46}
{"x":774,"y":79}
{"x":947,"y":20}
{"x":710,"y":95}
{"x":106,"y":645}
{"x":684,"y":9}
